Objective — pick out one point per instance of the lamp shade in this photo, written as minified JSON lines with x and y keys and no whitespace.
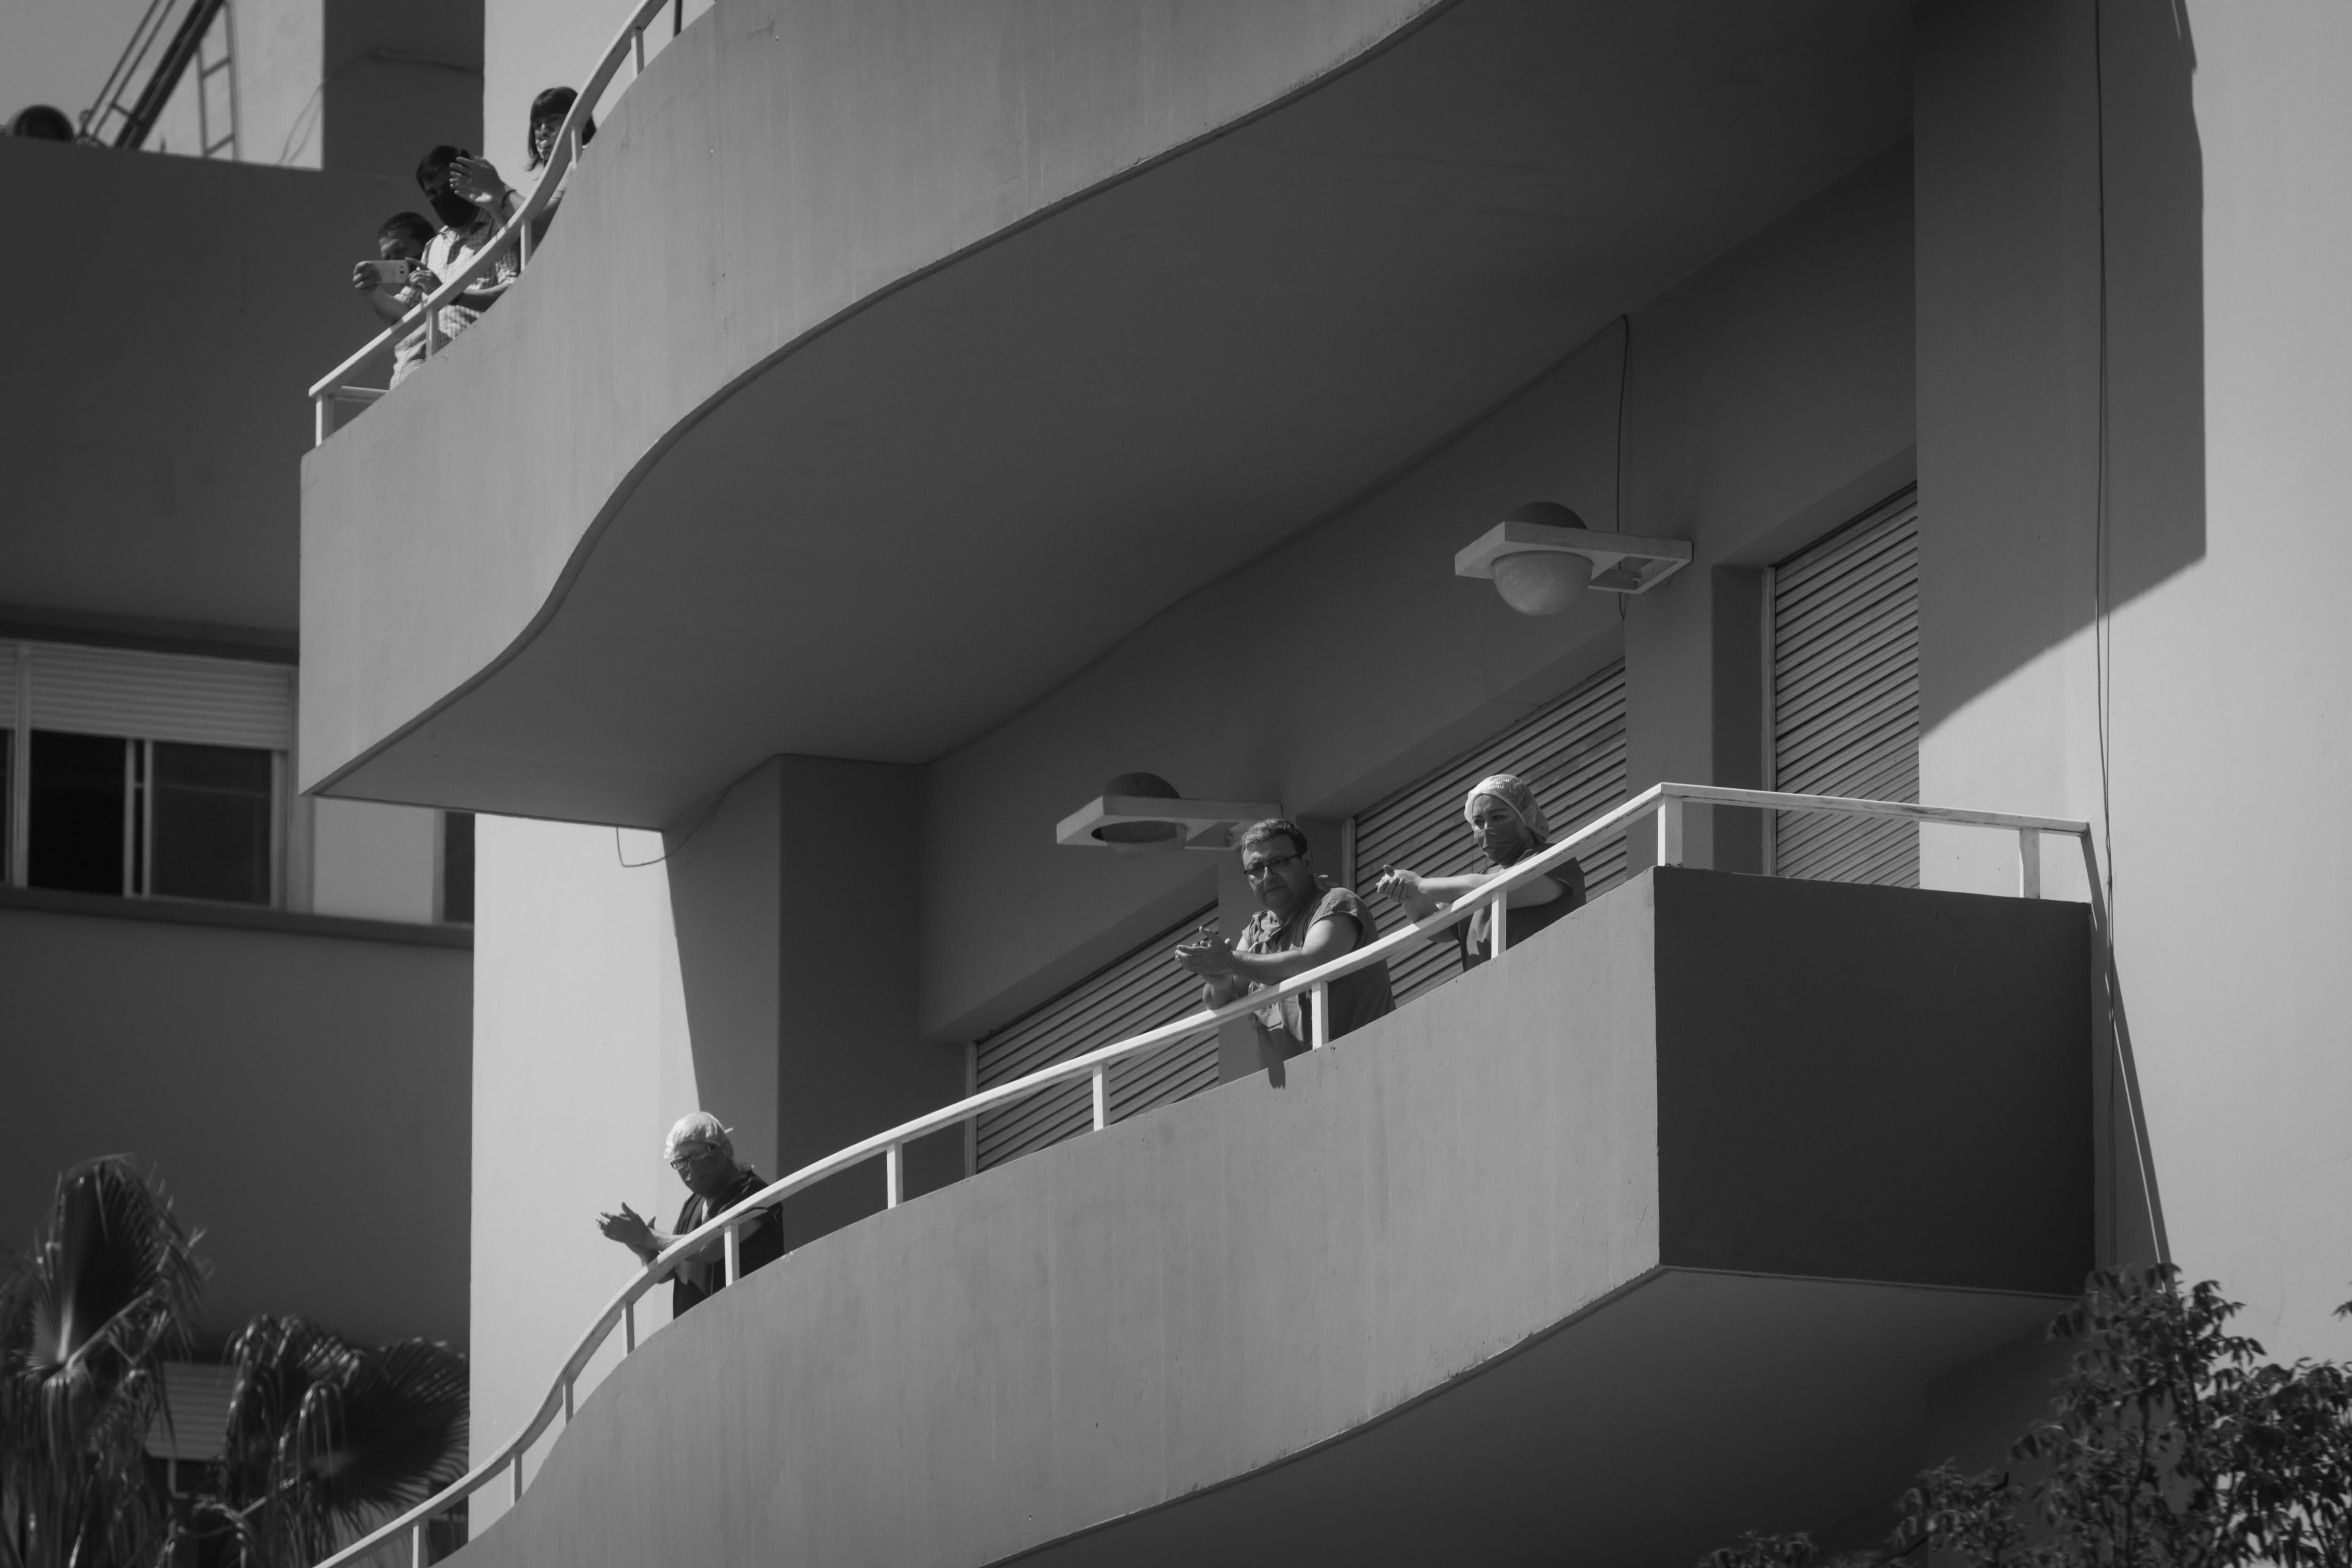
{"x":1141,"y":837}
{"x":1542,"y":581}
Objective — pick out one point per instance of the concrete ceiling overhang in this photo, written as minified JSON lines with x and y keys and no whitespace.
{"x":918,"y":518}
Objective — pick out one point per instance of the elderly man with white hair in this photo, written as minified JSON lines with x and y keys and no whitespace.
{"x":702,"y":1152}
{"x":1509,"y":826}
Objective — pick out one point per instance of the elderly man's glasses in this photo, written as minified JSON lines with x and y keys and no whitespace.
{"x":687,"y":1153}
{"x":1263,"y":869}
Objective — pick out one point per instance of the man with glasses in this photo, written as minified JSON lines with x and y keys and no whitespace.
{"x":1305,"y":921}
{"x":702,"y":1154}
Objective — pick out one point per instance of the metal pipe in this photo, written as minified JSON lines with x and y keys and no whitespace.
{"x":734,"y":1253}
{"x":1670,"y":830}
{"x":1318,"y":1026}
{"x":2029,"y":863}
{"x":1102,"y":1097}
{"x":894,"y":1174}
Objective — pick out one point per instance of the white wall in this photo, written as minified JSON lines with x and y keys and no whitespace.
{"x":278,"y":49}
{"x":580,"y":1063}
{"x":2232,"y":693}
{"x":2228,"y":662}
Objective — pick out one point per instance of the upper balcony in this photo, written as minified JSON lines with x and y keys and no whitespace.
{"x":867,"y":338}
{"x":1655,"y":1229}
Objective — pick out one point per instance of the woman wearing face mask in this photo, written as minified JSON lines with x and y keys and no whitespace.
{"x":1509,"y":826}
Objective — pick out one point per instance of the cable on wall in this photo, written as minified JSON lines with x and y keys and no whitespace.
{"x":2102,"y":625}
{"x":1624,"y":376}
{"x":699,"y":824}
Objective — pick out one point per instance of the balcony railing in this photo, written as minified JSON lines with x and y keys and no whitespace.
{"x":627,"y":45}
{"x":1665,"y":802}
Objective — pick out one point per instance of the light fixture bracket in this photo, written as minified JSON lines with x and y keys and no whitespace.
{"x":1622,"y":562}
{"x":1208,"y":825}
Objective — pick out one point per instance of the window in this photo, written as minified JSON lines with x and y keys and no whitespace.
{"x":144,"y":774}
{"x":456,"y":883}
{"x":1127,"y":997}
{"x":1845,"y":644}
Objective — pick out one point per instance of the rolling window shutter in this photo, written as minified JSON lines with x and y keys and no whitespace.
{"x":193,"y":1424}
{"x":162,"y":695}
{"x":1845,"y":698}
{"x":1573,"y":754}
{"x":1141,"y":990}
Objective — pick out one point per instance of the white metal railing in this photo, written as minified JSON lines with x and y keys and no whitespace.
{"x":628,"y":45}
{"x":1668,"y":801}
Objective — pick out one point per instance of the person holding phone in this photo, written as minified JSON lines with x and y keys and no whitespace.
{"x":1305,"y":920}
{"x":394,"y":282}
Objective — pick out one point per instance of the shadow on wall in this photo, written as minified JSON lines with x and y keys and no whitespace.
{"x":2148,"y":287}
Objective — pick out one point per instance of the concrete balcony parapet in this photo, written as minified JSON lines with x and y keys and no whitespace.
{"x":871,"y":337}
{"x":1652,"y":1231}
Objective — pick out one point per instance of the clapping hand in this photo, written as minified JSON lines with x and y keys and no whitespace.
{"x":629,"y":1228}
{"x":1207,"y":954}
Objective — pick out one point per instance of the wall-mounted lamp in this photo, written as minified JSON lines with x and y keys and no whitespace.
{"x":1542,"y":557}
{"x":1141,"y":814}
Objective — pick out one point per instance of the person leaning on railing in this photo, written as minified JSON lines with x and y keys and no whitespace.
{"x":1509,"y":826}
{"x":389,"y":284}
{"x":702,"y":1152}
{"x":465,"y":196}
{"x":1306,"y":920}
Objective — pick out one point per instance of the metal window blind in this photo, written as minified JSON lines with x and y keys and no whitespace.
{"x":1845,"y":698}
{"x":162,"y":695}
{"x":1572,"y":753}
{"x":193,"y":1424}
{"x":1129,"y":996}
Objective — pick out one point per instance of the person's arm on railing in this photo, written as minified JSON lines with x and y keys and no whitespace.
{"x":1423,"y":896}
{"x":1214,"y":960}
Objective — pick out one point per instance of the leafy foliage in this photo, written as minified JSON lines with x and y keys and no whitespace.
{"x":85,"y":1320}
{"x":2170,"y":1444}
{"x":326,"y":1438}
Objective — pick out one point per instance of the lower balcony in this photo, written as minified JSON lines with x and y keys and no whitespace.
{"x":1652,"y":1231}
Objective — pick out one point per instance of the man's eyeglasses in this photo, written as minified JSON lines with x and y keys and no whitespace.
{"x":687,"y":1153}
{"x":1266,"y":868}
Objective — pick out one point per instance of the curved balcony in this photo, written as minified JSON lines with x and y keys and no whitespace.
{"x":1652,"y":1230}
{"x":869,"y":339}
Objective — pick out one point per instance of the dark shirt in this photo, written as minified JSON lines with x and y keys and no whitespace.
{"x":759,"y":1241}
{"x":1524,"y":920}
{"x":1356,"y":999}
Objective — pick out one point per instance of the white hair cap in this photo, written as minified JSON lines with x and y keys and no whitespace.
{"x":698,"y":1127}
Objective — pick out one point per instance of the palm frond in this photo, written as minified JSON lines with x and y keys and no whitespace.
{"x":86,"y":1316}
